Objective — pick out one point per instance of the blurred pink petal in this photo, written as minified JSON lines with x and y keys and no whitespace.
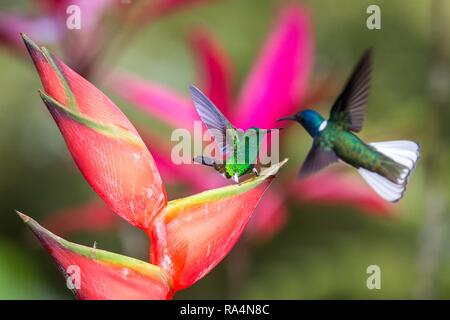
{"x":215,"y":69}
{"x":81,"y":45}
{"x":340,"y":188}
{"x":93,"y":216}
{"x":270,"y":216}
{"x":43,"y":29}
{"x":278,"y":82}
{"x":91,"y":11}
{"x":158,"y":101}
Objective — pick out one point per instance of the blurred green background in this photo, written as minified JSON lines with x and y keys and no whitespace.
{"x":324,"y":251}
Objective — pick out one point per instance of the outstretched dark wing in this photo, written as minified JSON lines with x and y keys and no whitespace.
{"x":317,"y":159}
{"x":214,"y":120}
{"x":350,"y":107}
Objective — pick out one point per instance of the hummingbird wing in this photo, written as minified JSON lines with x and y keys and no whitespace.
{"x":214,"y":120}
{"x":318,"y":158}
{"x":211,"y":163}
{"x":204,"y":160}
{"x":350,"y":107}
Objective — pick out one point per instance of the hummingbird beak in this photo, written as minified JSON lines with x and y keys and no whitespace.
{"x":286,"y":118}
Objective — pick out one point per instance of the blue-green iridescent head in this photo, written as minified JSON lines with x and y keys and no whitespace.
{"x":311,"y":120}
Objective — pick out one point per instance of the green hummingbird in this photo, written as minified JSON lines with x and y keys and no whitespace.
{"x":239,"y":149}
{"x":385,"y":166}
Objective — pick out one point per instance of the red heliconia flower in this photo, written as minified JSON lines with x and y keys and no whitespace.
{"x":127,"y":181}
{"x":189,"y":236}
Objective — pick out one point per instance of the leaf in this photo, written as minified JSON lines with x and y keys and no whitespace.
{"x":104,"y":144}
{"x":192,"y":235}
{"x":102,"y":274}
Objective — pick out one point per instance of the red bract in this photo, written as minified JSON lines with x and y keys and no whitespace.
{"x":189,"y":236}
{"x":102,"y":274}
{"x":94,"y":129}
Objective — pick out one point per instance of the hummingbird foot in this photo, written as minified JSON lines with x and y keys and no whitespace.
{"x":236,"y":178}
{"x":255,"y":171}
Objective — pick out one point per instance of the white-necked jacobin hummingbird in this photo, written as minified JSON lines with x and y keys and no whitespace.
{"x":238,"y":148}
{"x":385,"y":166}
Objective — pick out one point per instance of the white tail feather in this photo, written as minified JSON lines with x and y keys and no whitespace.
{"x":403,"y":152}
